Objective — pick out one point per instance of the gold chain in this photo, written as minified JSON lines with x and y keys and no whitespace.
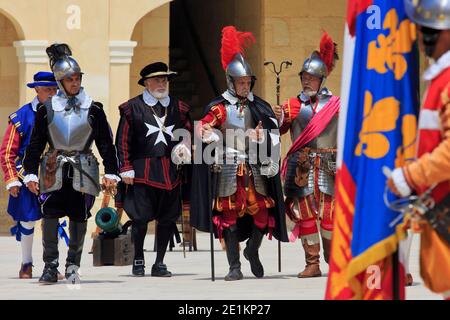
{"x":163,"y":127}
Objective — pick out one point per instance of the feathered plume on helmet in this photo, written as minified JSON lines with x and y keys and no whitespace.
{"x":61,"y":62}
{"x":57,"y":51}
{"x":234,"y":42}
{"x":328,"y":52}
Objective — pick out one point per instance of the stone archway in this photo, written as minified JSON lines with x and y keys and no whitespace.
{"x":151,"y":34}
{"x":10,"y":95}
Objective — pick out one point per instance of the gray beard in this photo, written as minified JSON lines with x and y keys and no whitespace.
{"x":159,"y":95}
{"x":310,"y":93}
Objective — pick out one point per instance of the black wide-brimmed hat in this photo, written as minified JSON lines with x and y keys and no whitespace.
{"x":156,"y":69}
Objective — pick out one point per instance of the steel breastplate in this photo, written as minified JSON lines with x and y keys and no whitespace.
{"x":305,"y":116}
{"x":236,"y":150}
{"x":69,"y":130}
{"x":326,"y":140}
{"x":237,"y":120}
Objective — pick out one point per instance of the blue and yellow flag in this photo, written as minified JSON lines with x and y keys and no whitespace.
{"x":377,"y":128}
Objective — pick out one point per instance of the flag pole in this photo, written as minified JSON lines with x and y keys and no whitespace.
{"x":395,"y":276}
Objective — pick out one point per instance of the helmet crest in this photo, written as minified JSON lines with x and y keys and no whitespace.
{"x":234,"y":42}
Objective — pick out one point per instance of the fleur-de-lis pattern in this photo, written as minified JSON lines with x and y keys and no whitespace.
{"x":386,"y":53}
{"x":378,"y":118}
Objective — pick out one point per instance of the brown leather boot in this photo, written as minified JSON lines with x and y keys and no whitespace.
{"x":409,"y":280}
{"x":26,"y":271}
{"x":326,"y":249}
{"x":312,"y":258}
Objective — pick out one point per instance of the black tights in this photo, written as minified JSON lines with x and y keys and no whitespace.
{"x":138,"y":232}
{"x":163,"y":234}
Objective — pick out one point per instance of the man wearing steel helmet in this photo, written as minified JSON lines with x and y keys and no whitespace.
{"x":310,"y":165}
{"x":431,"y":170}
{"x":249,"y":201}
{"x":69,"y":173}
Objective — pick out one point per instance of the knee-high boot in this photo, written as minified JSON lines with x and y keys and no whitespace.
{"x":251,"y":252}
{"x":312,"y":258}
{"x":232,"y":249}
{"x":51,"y":253}
{"x":77,"y":232}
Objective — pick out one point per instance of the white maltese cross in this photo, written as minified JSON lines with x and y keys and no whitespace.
{"x":161,"y":129}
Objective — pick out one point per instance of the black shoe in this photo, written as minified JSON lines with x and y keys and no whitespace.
{"x":160,"y":270}
{"x":49,"y":276}
{"x":255,"y":264}
{"x":138,"y":268}
{"x":234,"y":274}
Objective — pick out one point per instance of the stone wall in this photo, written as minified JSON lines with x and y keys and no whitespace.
{"x":292,"y":31}
{"x":9,"y":98}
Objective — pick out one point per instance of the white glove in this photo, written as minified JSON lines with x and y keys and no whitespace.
{"x":210,"y":137}
{"x":400,"y":182}
{"x":270,"y":169}
{"x":181,"y":154}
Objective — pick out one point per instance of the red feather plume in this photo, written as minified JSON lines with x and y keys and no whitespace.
{"x":328,"y":52}
{"x":234,"y":42}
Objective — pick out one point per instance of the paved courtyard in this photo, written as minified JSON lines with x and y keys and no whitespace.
{"x":191,"y":279}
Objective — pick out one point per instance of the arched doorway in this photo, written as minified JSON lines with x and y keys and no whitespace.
{"x":152,"y":36}
{"x":9,"y":97}
{"x":187,"y":36}
{"x":195,"y":42}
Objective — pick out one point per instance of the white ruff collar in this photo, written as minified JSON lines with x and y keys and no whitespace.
{"x":59,"y":101}
{"x":150,"y":100}
{"x":436,"y":68}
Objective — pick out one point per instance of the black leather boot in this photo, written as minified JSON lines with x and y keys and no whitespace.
{"x":251,"y":252}
{"x":51,"y":253}
{"x":77,"y":231}
{"x":138,"y":268}
{"x":49,"y":275}
{"x":232,"y":249}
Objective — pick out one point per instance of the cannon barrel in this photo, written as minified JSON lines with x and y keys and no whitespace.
{"x":107,"y":219}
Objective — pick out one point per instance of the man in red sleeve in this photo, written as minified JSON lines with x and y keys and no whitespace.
{"x":249,"y":199}
{"x":309,"y":169}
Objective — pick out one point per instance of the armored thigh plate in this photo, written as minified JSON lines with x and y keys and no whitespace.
{"x":259,"y":180}
{"x":81,"y":182}
{"x":327,"y":173}
{"x":227,"y":180}
{"x":291,"y":189}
